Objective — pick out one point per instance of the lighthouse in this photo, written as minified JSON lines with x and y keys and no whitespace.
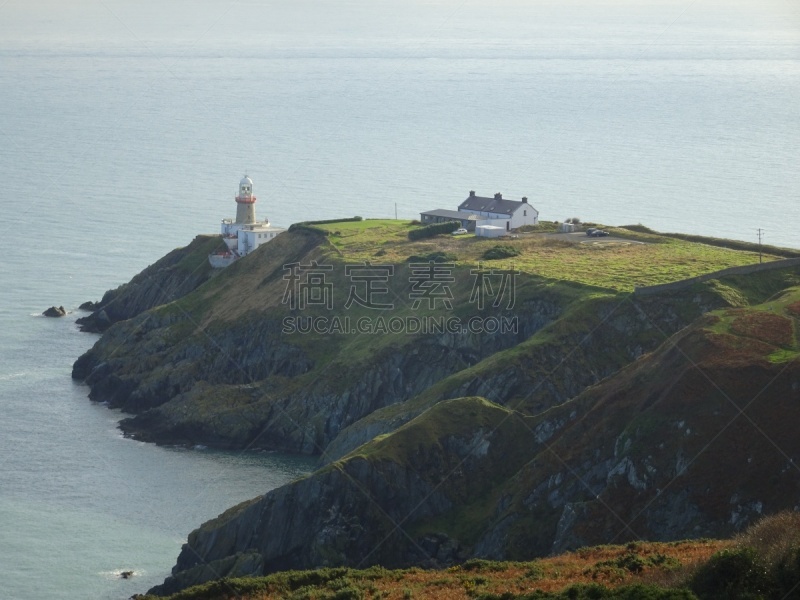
{"x":244,"y":234}
{"x":246,"y":202}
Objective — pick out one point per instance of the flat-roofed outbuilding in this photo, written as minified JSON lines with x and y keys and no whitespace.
{"x":442,"y":215}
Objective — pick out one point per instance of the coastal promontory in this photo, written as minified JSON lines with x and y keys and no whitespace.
{"x":463,"y":405}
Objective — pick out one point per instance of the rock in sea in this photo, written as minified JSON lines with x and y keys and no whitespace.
{"x":55,"y":311}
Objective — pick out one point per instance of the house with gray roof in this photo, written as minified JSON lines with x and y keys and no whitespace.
{"x":515,"y":213}
{"x":477,"y":210}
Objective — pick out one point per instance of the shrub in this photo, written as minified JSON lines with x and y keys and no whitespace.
{"x":534,"y":571}
{"x":348,"y":593}
{"x":732,"y":574}
{"x":481,"y":565}
{"x":309,"y":225}
{"x":773,"y":538}
{"x":776,"y":542}
{"x":764,"y":563}
{"x":648,"y":592}
{"x":633,"y":562}
{"x":594,"y":591}
{"x":432,"y":230}
{"x":342,"y":220}
{"x":501,"y":251}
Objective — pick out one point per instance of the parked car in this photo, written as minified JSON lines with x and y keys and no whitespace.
{"x":591,"y":230}
{"x":460,"y":231}
{"x":599,"y":233}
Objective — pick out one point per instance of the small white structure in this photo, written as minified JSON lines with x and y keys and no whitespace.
{"x":567,"y":228}
{"x":490,"y":231}
{"x":245,"y":234}
{"x":513,"y":212}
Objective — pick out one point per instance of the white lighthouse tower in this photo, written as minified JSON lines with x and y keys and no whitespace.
{"x":245,"y":234}
{"x":246,"y":202}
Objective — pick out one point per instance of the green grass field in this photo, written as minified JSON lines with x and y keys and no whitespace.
{"x":618,"y":266}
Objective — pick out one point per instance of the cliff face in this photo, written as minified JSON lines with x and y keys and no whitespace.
{"x":591,"y":341}
{"x":182,"y":367}
{"x":168,"y":279}
{"x":693,"y":440}
{"x":358,"y":511}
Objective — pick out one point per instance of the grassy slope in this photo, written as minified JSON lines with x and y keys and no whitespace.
{"x":699,"y":383}
{"x":700,"y":396}
{"x":253,"y":288}
{"x":582,"y":316}
{"x":771,"y":326}
{"x":522,"y":356}
{"x":636,"y":231}
{"x":255,"y":285}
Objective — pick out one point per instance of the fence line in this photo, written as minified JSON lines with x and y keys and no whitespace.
{"x":743,"y":270}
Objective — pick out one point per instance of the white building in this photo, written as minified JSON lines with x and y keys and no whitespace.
{"x":244,"y":234}
{"x":490,"y":231}
{"x":514,"y":213}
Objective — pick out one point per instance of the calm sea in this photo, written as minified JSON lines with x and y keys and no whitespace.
{"x":125,"y":127}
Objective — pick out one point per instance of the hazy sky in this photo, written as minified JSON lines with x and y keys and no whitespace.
{"x":293,"y":23}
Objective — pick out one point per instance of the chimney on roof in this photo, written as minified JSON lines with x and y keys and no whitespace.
{"x":472,"y":193}
{"x":498,"y":196}
{"x":524,"y":199}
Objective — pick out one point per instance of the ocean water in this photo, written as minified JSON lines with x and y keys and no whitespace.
{"x":125,"y":127}
{"x":78,"y":502}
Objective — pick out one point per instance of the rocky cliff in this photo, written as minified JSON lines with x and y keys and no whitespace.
{"x":168,"y":279}
{"x":359,"y":511}
{"x":215,"y":367}
{"x":591,"y":341}
{"x":694,"y":440}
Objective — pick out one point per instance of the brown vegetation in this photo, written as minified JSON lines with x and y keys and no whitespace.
{"x":771,"y":328}
{"x":611,"y":566}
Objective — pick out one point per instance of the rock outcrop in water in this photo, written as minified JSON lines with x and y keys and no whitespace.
{"x":55,"y":311}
